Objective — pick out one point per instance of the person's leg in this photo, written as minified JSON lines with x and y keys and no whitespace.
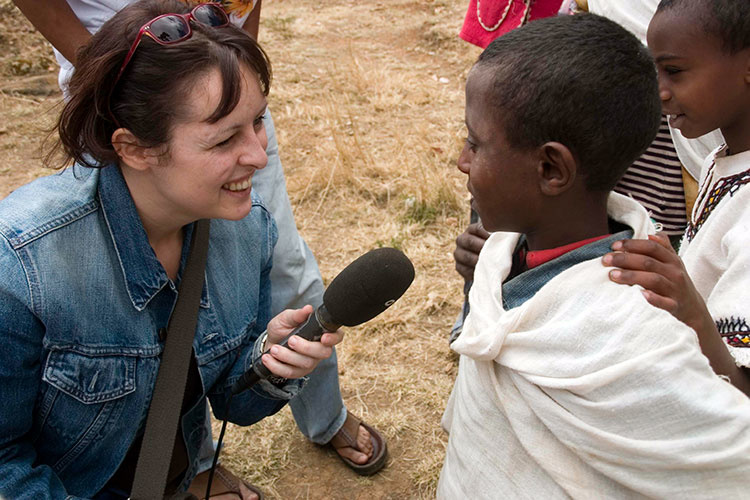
{"x":318,"y":410}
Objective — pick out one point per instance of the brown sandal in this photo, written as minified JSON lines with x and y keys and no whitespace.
{"x":224,"y":482}
{"x":347,"y":437}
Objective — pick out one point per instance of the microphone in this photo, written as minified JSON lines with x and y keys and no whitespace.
{"x":364,"y":289}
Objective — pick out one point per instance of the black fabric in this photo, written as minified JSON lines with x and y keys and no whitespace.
{"x":162,"y":422}
{"x":123,"y":478}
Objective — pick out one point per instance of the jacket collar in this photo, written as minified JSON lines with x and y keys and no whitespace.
{"x":143,"y":274}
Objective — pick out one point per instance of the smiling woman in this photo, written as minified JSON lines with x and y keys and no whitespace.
{"x":163,"y":134}
{"x":208,"y":167}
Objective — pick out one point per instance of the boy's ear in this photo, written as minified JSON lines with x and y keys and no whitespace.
{"x":557,"y":168}
{"x":131,"y":152}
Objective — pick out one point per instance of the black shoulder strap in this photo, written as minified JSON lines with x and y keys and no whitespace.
{"x":166,"y":402}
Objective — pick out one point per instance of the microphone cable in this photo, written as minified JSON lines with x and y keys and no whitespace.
{"x":215,"y":461}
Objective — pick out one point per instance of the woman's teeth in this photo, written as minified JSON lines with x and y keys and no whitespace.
{"x":237,"y":186}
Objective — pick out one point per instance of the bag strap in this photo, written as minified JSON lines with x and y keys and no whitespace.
{"x":166,"y":402}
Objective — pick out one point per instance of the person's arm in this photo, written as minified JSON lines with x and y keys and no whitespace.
{"x":654,"y":265}
{"x":57,"y":22}
{"x":21,"y":473}
{"x":252,"y":23}
{"x":290,"y":364}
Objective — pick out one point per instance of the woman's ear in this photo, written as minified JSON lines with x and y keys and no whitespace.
{"x":557,"y":168}
{"x":131,"y":152}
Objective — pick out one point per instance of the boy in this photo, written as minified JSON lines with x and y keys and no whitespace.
{"x":567,"y":385}
{"x":702,"y":51}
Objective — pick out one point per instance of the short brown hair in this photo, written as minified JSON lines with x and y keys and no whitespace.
{"x":149,"y":96}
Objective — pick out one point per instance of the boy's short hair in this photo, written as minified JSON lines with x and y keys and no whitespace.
{"x":726,"y":20}
{"x":580,"y":80}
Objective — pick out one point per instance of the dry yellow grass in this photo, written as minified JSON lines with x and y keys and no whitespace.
{"x":368,"y":104}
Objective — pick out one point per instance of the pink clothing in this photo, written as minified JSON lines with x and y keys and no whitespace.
{"x":488,"y":19}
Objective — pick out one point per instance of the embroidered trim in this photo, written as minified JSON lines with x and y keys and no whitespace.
{"x":725,"y":185}
{"x":735,"y":331}
{"x":524,"y":17}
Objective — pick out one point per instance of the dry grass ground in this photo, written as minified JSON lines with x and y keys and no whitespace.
{"x":368,"y":105}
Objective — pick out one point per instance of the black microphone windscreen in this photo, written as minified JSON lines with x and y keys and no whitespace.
{"x":367,"y":286}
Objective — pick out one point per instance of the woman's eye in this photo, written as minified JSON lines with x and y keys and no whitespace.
{"x":223,"y":143}
{"x":258,"y":122}
{"x":671,"y":70}
{"x":472,"y":147}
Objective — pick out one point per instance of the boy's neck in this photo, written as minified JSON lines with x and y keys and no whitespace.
{"x":583,"y":218}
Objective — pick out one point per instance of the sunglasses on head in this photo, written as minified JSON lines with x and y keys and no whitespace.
{"x":167,"y":29}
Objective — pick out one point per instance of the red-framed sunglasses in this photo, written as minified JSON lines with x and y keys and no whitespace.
{"x":167,"y":29}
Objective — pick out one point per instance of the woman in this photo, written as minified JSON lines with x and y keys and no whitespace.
{"x":164,"y":134}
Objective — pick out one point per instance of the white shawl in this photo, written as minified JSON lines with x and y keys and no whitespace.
{"x":587,"y":391}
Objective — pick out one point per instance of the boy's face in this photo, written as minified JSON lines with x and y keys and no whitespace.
{"x":502,"y":179}
{"x":702,"y":86}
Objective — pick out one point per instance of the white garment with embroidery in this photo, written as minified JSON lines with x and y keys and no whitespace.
{"x":717,"y":258}
{"x":587,"y":391}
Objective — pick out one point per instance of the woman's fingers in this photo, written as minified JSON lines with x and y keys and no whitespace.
{"x":292,"y":318}
{"x":332,"y":338}
{"x":299,"y":358}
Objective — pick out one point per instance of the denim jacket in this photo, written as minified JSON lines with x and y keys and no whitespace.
{"x":83,"y":300}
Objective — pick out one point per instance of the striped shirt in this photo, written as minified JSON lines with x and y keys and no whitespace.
{"x":655,"y":181}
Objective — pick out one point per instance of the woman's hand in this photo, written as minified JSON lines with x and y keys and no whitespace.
{"x":301,"y":356}
{"x":654,"y":265}
{"x":468,"y":245}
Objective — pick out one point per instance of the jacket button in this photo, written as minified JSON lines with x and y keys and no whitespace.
{"x":162,"y":334}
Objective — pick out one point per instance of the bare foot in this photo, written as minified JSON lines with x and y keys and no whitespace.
{"x":363,"y":443}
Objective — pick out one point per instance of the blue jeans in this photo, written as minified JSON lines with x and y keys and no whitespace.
{"x":318,"y":409}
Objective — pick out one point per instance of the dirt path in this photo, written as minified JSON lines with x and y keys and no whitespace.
{"x":368,"y":105}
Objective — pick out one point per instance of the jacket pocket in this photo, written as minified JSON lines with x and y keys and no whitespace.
{"x":90,"y":379}
{"x":86,"y":395}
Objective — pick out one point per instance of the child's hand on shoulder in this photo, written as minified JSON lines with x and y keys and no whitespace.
{"x":654,"y":265}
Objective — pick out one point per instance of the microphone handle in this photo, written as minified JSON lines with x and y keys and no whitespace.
{"x":309,"y":330}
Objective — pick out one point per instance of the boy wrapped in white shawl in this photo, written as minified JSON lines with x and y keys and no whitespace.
{"x":587,"y":391}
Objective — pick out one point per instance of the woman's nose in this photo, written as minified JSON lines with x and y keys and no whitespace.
{"x":254,"y":150}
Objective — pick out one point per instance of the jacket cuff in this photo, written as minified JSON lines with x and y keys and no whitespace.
{"x":277,"y":387}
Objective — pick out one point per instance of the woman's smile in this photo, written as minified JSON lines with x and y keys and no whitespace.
{"x":238,"y":185}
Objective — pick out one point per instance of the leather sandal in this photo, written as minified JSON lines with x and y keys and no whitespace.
{"x":347,"y":437}
{"x":224,"y":482}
